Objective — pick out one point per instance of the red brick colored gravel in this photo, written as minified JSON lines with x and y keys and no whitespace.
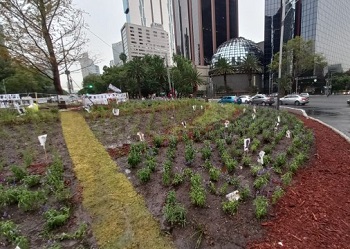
{"x":315,"y":211}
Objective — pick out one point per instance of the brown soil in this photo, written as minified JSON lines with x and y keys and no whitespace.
{"x":315,"y":211}
{"x":18,"y":144}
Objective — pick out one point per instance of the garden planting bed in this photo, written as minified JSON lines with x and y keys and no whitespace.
{"x":40,"y":199}
{"x":312,"y":210}
{"x":185,"y":173}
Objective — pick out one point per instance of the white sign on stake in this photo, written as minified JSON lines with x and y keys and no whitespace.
{"x":194,"y":107}
{"x":254,"y":109}
{"x":226,"y":123}
{"x":141,"y":136}
{"x":246,"y":144}
{"x":288,"y":134}
{"x":184,"y":124}
{"x":243,"y":110}
{"x":42,"y":140}
{"x":261,"y":157}
{"x":278,"y":119}
{"x":87,"y":108}
{"x":115,"y":112}
{"x":233,"y":196}
{"x":253,"y":116}
{"x":201,"y":107}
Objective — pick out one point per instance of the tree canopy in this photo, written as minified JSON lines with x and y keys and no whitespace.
{"x":42,"y":34}
{"x":298,"y":58}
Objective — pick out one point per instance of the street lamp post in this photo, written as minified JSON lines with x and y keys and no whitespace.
{"x":280,"y":55}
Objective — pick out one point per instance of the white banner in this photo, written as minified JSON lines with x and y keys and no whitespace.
{"x":115,"y":89}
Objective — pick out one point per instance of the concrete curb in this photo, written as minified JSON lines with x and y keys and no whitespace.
{"x":303,"y":113}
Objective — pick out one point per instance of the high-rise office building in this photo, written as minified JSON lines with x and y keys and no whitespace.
{"x":87,"y":66}
{"x":117,"y":50}
{"x":141,"y":40}
{"x":324,"y":22}
{"x":201,"y":26}
{"x":151,"y":13}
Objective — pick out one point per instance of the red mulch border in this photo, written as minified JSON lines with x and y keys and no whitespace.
{"x":315,"y":210}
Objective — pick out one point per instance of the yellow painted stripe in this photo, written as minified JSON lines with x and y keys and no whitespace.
{"x":120,"y":218}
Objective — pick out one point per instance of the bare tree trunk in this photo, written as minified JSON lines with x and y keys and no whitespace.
{"x":49,"y":44}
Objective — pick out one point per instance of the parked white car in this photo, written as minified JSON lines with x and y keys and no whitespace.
{"x":246,"y":99}
{"x":294,"y":99}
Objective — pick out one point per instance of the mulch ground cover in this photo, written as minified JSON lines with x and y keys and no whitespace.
{"x":315,"y":211}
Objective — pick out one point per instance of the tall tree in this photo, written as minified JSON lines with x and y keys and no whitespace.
{"x":156,"y":74}
{"x":222,"y":67}
{"x":298,"y":58}
{"x":250,"y":65}
{"x":136,"y":70}
{"x":123,"y":57}
{"x":184,"y":76}
{"x":43,"y":34}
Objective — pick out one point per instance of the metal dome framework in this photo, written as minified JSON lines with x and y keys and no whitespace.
{"x":236,"y":50}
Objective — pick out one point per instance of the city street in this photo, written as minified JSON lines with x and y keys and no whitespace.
{"x":332,"y":110}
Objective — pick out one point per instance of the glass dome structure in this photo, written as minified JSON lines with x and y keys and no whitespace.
{"x":236,"y":50}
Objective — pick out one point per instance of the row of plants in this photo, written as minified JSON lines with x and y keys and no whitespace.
{"x":37,"y":193}
{"x":267,"y":132}
{"x":12,"y":117}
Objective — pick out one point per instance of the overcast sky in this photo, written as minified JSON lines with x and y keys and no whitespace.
{"x":105,"y":19}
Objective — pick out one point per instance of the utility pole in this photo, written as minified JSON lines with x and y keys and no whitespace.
{"x":3,"y":82}
{"x":168,"y":72}
{"x":280,"y":55}
{"x":67,"y":72}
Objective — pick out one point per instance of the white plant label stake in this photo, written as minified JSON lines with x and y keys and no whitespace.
{"x":246,"y":144}
{"x":194,"y":107}
{"x":87,"y":108}
{"x":42,"y":141}
{"x":233,"y":196}
{"x":243,"y":110}
{"x":253,"y":116}
{"x":226,"y":123}
{"x":278,"y":119}
{"x":254,"y":109}
{"x":288,"y":134}
{"x":261,"y":157}
{"x":184,"y":124}
{"x":141,"y":136}
{"x":276,"y":125}
{"x":201,"y":107}
{"x":115,"y":112}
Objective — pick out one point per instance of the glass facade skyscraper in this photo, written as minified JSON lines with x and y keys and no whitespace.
{"x":201,"y":26}
{"x":324,"y":22}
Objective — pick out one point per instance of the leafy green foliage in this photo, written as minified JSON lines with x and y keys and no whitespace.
{"x":261,"y":204}
{"x":18,"y":172}
{"x":56,"y":218}
{"x":144,"y":174}
{"x":10,"y":231}
{"x":261,"y":181}
{"x":174,"y":212}
{"x":230,"y":206}
{"x":189,"y":152}
{"x":214,"y":174}
{"x":197,"y":192}
{"x":206,"y":151}
{"x":277,"y":194}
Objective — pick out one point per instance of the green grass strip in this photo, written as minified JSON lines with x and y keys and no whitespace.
{"x":120,"y":218}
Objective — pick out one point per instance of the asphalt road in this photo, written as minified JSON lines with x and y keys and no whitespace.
{"x":332,"y":110}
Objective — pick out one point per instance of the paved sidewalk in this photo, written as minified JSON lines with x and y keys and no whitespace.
{"x":120,"y":218}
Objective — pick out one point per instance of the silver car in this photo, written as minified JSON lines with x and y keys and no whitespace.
{"x":294,"y":99}
{"x":262,"y":99}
